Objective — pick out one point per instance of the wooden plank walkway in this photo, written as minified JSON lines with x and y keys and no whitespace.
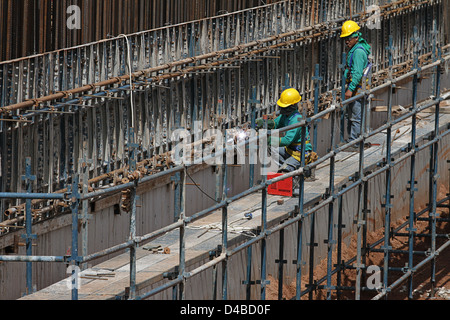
{"x":109,"y":279}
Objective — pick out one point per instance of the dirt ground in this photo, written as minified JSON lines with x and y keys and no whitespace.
{"x":421,"y":279}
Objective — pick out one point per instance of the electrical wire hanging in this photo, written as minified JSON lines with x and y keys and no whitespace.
{"x":130,"y":69}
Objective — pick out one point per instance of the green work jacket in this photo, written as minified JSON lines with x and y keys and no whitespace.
{"x":357,"y":62}
{"x":292,"y":138}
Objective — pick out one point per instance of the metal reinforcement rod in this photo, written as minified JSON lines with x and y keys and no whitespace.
{"x":109,"y":82}
{"x":213,"y":55}
{"x":42,"y":25}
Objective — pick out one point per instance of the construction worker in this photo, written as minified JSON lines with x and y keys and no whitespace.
{"x":357,"y":69}
{"x":290,"y":144}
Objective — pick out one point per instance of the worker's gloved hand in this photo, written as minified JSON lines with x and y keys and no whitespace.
{"x":259,"y":123}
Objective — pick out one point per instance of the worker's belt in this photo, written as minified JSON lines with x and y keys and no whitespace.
{"x":297,"y":146}
{"x":359,"y":87}
{"x":310,"y":156}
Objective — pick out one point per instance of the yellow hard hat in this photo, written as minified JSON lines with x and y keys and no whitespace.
{"x":349,"y":28}
{"x":289,"y":97}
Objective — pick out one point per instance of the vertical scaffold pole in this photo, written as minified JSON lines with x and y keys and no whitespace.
{"x":316,"y":79}
{"x":176,"y":179}
{"x":182,"y":254}
{"x":365,"y":212}
{"x":28,"y":178}
{"x":330,"y":241}
{"x":85,"y":216}
{"x":301,"y":200}
{"x":434,"y":165}
{"x":298,"y":262}
{"x":339,"y":262}
{"x":412,"y":189}
{"x":388,"y":162}
{"x":225,"y":224}
{"x":343,"y":85}
{"x":248,"y":282}
{"x":281,"y":263}
{"x":132,"y":150}
{"x":360,"y":218}
{"x":359,"y":228}
{"x":75,"y":259}
{"x":253,"y":101}
{"x":264,"y":223}
{"x":312,"y":244}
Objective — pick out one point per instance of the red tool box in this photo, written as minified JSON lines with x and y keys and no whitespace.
{"x":281,"y":188}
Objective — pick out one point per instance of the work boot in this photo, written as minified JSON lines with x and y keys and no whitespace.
{"x":354,"y":148}
{"x":312,"y":177}
{"x":340,"y":144}
{"x":295,"y":182}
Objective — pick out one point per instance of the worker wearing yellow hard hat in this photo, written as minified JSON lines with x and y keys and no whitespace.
{"x":356,"y":73}
{"x":349,"y":28}
{"x":290,"y":144}
{"x":289,"y":97}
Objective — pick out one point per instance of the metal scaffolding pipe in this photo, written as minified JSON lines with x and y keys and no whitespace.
{"x":410,"y":272}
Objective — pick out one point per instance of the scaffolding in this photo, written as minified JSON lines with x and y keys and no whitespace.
{"x":75,"y":199}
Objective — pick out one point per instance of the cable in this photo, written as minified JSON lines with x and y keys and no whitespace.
{"x":247,"y":231}
{"x":131,"y":79}
{"x":195,"y":183}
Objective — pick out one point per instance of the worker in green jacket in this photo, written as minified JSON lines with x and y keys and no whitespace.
{"x":290,"y":144}
{"x":356,"y":72}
